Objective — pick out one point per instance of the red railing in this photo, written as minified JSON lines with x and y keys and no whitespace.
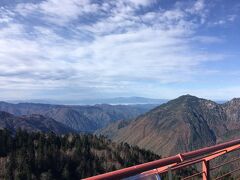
{"x":167,"y":165}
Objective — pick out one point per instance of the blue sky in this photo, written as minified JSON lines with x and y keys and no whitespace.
{"x":75,"y":49}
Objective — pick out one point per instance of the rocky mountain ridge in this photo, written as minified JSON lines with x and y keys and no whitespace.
{"x":183,"y":124}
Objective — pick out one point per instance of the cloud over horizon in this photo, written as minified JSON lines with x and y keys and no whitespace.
{"x":86,"y":48}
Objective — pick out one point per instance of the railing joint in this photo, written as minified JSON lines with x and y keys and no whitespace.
{"x":181,"y":157}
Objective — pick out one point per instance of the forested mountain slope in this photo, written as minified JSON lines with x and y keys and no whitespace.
{"x":38,"y":156}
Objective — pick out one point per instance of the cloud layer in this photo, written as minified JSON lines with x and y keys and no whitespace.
{"x":68,"y":48}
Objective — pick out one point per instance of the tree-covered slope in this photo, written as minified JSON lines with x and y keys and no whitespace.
{"x":28,"y":156}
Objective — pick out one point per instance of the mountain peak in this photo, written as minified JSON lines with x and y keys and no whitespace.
{"x":179,"y":103}
{"x":185,"y":99}
{"x":188,"y":96}
{"x":235,"y":100}
{"x":182,"y":124}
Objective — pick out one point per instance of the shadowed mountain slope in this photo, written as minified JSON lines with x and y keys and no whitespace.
{"x":80,"y":118}
{"x":183,"y":124}
{"x":32,"y":123}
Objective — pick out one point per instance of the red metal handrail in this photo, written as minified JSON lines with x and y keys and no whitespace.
{"x":214,"y":151}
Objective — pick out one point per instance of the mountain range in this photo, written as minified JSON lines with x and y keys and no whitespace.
{"x":125,"y":100}
{"x":180,"y":125}
{"x":112,"y":101}
{"x":79,"y":118}
{"x":32,"y":123}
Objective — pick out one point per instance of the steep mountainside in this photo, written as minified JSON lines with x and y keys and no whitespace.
{"x":232,"y":109}
{"x":81,"y":118}
{"x":185,"y":123}
{"x":32,"y":123}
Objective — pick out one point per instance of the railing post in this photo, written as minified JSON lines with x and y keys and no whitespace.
{"x":205,"y":170}
{"x":169,"y":173}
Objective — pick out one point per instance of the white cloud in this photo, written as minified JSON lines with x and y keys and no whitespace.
{"x":232,"y":17}
{"x":225,"y":20}
{"x":199,"y":5}
{"x":58,"y":12}
{"x":208,"y":39}
{"x":142,"y":2}
{"x":119,"y":52}
{"x":5,"y":15}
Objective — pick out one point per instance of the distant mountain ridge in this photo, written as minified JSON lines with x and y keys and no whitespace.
{"x":80,"y":118}
{"x":112,"y":101}
{"x":182,"y":124}
{"x":32,"y":123}
{"x":126,"y":101}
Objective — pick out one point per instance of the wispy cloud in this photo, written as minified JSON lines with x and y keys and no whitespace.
{"x":107,"y":46}
{"x":58,"y":12}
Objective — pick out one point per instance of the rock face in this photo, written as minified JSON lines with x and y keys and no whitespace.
{"x":232,"y":109}
{"x":32,"y":123}
{"x":80,"y":118}
{"x":183,"y":124}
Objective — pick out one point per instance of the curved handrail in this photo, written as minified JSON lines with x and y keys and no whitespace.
{"x":134,"y":170}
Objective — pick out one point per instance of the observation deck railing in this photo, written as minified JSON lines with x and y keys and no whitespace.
{"x":165,"y":168}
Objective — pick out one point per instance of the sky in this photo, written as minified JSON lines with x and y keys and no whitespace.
{"x":79,"y":49}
